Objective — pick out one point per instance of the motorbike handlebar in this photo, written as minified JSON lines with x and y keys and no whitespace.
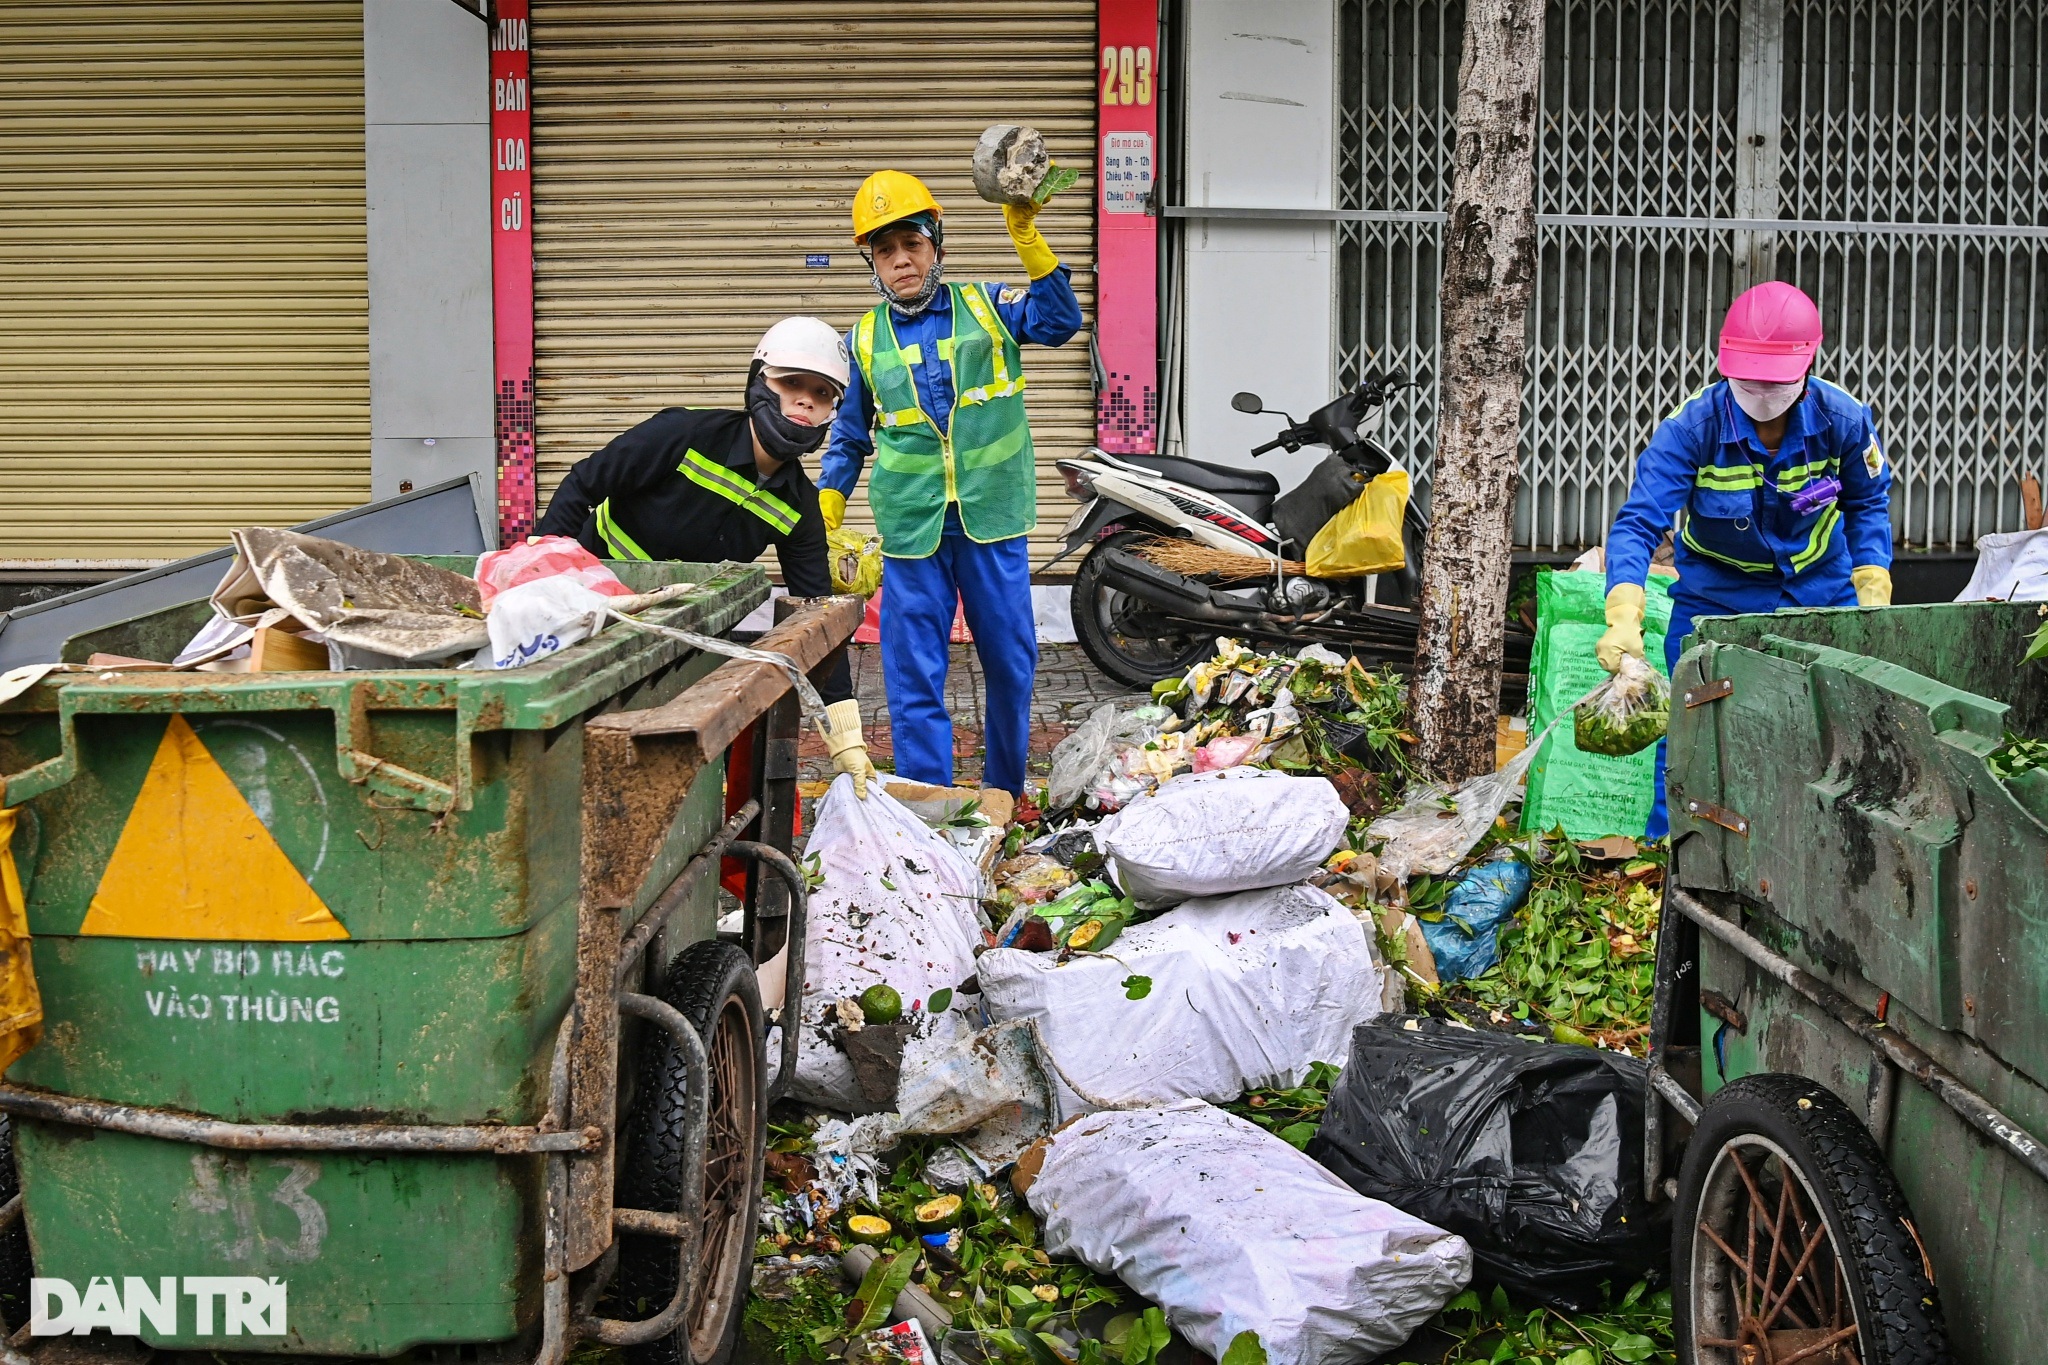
{"x":1273,"y":444}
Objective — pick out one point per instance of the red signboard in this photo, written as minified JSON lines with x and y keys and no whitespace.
{"x":512,"y":267}
{"x":1127,"y":255}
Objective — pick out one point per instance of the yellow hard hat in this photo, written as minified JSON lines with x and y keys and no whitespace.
{"x":887,"y":196}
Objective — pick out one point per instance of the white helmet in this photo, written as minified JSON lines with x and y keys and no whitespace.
{"x":808,"y":344}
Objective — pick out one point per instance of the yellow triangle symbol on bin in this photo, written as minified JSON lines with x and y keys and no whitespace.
{"x":193,"y":861}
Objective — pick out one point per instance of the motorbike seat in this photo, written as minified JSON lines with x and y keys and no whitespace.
{"x":1250,"y":491}
{"x":1211,"y":478}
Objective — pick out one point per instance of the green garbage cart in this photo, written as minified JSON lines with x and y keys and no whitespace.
{"x":393,"y":1001}
{"x":1850,"y":1060}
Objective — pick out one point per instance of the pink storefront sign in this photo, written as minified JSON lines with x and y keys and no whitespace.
{"x":512,"y":267}
{"x":1127,"y":257}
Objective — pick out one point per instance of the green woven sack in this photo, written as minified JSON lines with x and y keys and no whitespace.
{"x":1591,"y":795}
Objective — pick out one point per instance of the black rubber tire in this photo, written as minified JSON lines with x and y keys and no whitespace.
{"x":710,"y":983}
{"x":1897,"y":1312}
{"x":16,"y":1264}
{"x":1092,"y":599}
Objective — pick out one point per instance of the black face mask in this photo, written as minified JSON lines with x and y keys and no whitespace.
{"x":780,"y":437}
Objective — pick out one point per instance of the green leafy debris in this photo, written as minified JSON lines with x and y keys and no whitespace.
{"x":1634,"y":1329}
{"x":2018,"y":755}
{"x":1579,"y":957}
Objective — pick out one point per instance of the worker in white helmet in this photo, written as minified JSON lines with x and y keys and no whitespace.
{"x":719,"y":483}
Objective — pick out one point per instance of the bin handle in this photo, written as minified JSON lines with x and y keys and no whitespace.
{"x":386,"y":778}
{"x":356,"y":764}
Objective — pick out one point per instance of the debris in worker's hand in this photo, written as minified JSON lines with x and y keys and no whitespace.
{"x":1626,"y":714}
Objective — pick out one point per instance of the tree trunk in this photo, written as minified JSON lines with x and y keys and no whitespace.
{"x":1489,"y":269}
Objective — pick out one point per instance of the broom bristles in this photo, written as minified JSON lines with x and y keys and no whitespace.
{"x":1198,"y":560}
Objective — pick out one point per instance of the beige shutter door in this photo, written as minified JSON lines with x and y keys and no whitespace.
{"x":690,"y":155}
{"x":184,"y":281}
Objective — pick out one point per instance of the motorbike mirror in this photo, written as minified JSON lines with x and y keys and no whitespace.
{"x":1247,"y":402}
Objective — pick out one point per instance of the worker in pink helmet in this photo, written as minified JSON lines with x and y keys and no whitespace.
{"x":1784,"y":486}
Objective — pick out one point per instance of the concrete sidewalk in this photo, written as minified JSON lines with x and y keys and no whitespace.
{"x":1068,"y":688}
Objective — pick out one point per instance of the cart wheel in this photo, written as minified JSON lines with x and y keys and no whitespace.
{"x":713,"y":984}
{"x":16,"y":1266}
{"x":1792,"y":1241}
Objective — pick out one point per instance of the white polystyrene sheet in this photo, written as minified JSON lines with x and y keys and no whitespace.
{"x":1229,"y":1229}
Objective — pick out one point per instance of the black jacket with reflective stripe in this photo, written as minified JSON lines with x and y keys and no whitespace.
{"x":669,"y":516}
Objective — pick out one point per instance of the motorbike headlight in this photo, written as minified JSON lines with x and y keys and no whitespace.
{"x":1080,"y":481}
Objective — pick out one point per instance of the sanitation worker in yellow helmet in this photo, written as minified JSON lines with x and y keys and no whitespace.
{"x":936,"y":396}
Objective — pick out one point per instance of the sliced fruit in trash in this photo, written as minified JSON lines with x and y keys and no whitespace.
{"x":881,"y":1005}
{"x":938,"y":1214}
{"x":869,"y":1230}
{"x":1085,"y":933}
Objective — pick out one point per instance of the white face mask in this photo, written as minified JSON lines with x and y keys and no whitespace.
{"x":1764,"y":401}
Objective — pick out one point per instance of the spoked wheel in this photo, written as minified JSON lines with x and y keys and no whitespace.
{"x":1793,"y":1244}
{"x":1131,"y":641}
{"x":713,"y":985}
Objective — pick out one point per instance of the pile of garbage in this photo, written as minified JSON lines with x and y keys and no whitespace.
{"x":1149,"y":1066}
{"x":1314,"y":712}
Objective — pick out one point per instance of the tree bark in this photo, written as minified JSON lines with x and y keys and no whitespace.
{"x":1489,"y":270}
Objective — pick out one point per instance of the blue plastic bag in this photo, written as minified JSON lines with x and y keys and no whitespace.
{"x":1483,"y":901}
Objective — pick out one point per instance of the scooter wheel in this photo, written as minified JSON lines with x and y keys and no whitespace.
{"x":1131,"y":641}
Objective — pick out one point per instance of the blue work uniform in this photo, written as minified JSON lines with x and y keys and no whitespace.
{"x":991,"y":582}
{"x":1742,"y":547}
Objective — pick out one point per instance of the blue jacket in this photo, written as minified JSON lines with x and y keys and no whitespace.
{"x":1706,"y":458}
{"x":1043,"y":313}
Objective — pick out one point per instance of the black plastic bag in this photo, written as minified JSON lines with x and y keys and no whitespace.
{"x":1532,"y":1152}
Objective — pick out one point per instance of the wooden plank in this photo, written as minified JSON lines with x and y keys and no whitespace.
{"x":276,"y":650}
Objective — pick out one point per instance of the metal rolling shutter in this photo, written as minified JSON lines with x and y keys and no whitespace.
{"x":690,"y":154}
{"x":184,"y":338}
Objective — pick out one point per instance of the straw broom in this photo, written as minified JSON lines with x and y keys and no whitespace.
{"x":1204,"y":561}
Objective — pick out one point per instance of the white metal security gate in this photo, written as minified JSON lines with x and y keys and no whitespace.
{"x":1881,"y":154}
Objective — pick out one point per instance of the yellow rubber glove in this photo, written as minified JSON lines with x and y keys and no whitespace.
{"x":1031,"y":248}
{"x":849,"y":752}
{"x":832,"y":505}
{"x":1873,"y":585}
{"x":1624,"y":626}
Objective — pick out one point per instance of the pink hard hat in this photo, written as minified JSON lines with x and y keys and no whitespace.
{"x":1771,"y":334}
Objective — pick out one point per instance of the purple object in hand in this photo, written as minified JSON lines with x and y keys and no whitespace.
{"x":1816,"y":495}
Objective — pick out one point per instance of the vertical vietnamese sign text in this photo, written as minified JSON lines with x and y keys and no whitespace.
{"x":512,"y":267}
{"x":1127,"y":272}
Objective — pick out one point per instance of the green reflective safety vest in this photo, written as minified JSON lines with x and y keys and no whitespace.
{"x":983,"y":461}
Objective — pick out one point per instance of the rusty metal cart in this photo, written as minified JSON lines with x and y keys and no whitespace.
{"x":1856,"y":899}
{"x":403,"y":989}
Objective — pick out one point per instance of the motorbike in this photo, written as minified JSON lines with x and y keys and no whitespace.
{"x":1139,"y":621}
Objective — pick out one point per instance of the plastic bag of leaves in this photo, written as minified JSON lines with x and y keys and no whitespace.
{"x":1626,"y":714}
{"x":1532,"y":1152}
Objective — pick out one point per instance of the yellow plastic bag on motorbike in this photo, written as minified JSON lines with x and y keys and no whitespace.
{"x":1366,"y":536}
{"x":856,"y":561}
